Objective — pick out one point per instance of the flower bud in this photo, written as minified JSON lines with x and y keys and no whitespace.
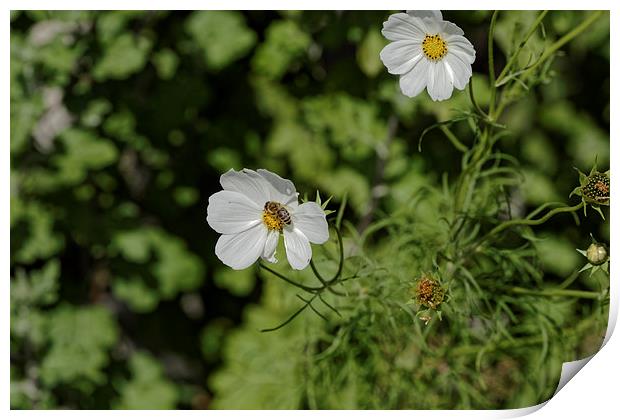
{"x":596,"y":188}
{"x":597,"y":254}
{"x":428,"y":291}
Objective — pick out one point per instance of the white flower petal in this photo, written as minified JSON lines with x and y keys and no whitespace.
{"x":248,"y":183}
{"x":282,"y":190}
{"x":399,"y":57}
{"x":449,"y":28}
{"x":460,"y":71}
{"x":414,"y":82}
{"x":269,"y":252}
{"x":432,"y":26}
{"x":232,"y":212}
{"x":404,"y":56}
{"x":402,"y":27}
{"x":433,"y":14}
{"x":461,"y":46}
{"x":298,"y":251}
{"x":439,"y":84}
{"x":309,"y":218}
{"x":241,"y":250}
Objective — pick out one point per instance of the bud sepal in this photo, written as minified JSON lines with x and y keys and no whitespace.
{"x":598,"y":257}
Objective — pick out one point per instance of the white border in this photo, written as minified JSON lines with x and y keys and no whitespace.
{"x":592,"y":394}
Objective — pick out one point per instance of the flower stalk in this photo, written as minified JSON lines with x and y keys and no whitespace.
{"x":581,"y":294}
{"x":490,"y":44}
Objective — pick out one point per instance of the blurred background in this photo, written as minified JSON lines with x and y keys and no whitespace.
{"x":122,"y":122}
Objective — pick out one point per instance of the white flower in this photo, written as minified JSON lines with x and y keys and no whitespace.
{"x":427,"y":52}
{"x":253,"y":210}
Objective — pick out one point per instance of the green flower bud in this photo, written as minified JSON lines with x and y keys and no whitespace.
{"x":429,"y":292}
{"x":596,"y":188}
{"x":597,"y":254}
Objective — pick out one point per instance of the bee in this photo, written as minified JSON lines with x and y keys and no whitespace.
{"x":279,"y":211}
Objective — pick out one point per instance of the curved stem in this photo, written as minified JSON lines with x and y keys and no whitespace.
{"x":564,"y":40}
{"x":492,"y":61}
{"x":515,"y":55}
{"x":528,"y":222}
{"x":286,"y":279}
{"x":472,"y":98}
{"x":552,"y":49}
{"x":292,"y":317}
{"x":569,"y":280}
{"x":341,"y":261}
{"x":326,"y":285}
{"x":316,"y":272}
{"x":533,"y":222}
{"x":543,"y":207}
{"x":453,"y":139}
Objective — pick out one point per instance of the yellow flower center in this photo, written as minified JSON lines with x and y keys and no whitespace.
{"x":272,"y":221}
{"x":275,"y":216}
{"x":434,"y":47}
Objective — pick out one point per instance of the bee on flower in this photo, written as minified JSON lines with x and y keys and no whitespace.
{"x":254,"y":209}
{"x":427,"y":52}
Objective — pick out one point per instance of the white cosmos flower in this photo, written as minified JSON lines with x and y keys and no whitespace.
{"x":253,"y":210}
{"x":427,"y":52}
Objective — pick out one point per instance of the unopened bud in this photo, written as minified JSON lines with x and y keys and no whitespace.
{"x":597,"y":254}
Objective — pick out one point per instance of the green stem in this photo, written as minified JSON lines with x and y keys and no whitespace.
{"x":468,"y":349}
{"x":472,"y":98}
{"x":564,"y":40}
{"x":294,"y":283}
{"x":552,"y":49}
{"x":515,"y":55}
{"x":569,"y":280}
{"x":453,"y":139}
{"x":555,"y":292}
{"x":341,"y":260}
{"x":533,"y":222}
{"x":316,"y":272}
{"x":326,"y":285}
{"x":469,"y":175}
{"x":492,"y":62}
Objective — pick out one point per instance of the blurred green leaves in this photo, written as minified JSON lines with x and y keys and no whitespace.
{"x":166,"y":62}
{"x":172,"y":269}
{"x":37,"y":239}
{"x":148,"y":388}
{"x":29,"y":291}
{"x":83,"y":151}
{"x":237,"y":282}
{"x":222,"y":35}
{"x":248,"y":351}
{"x":284,"y":42}
{"x":558,"y":255}
{"x":368,"y":53}
{"x":80,"y":339}
{"x":39,"y":288}
{"x":351,"y":124}
{"x":72,"y":342}
{"x":125,"y":55}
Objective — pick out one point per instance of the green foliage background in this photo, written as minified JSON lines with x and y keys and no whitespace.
{"x":122,"y":122}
